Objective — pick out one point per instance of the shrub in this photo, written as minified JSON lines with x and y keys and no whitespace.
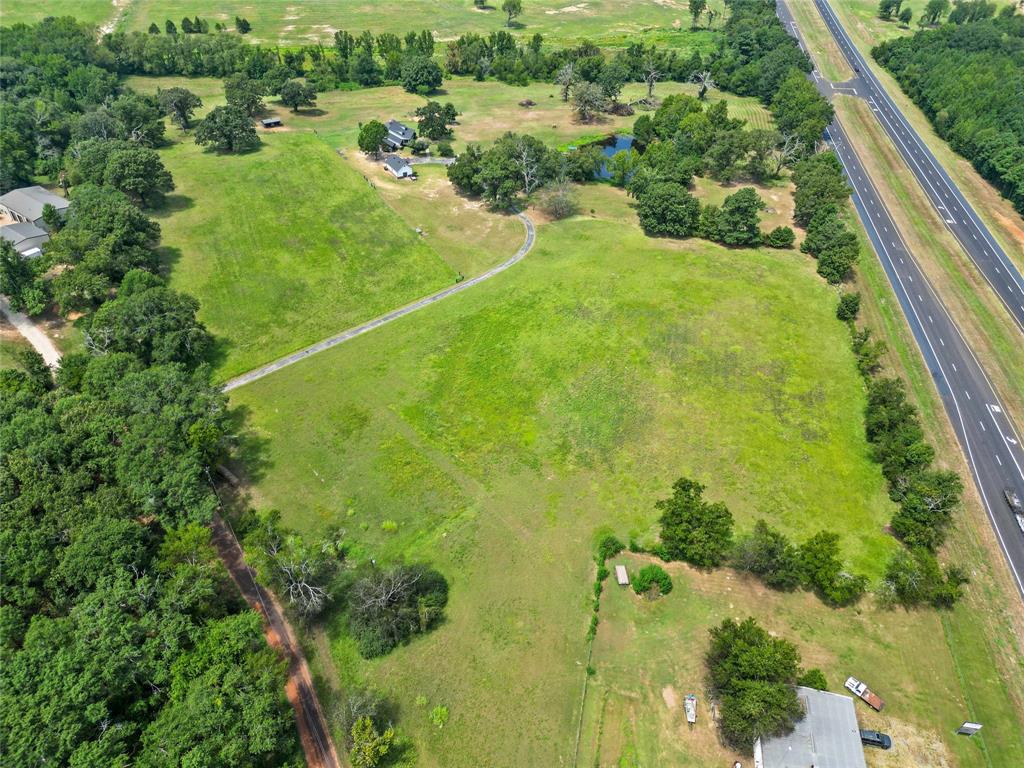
{"x":666,"y":208}
{"x":387,"y":607}
{"x":780,"y":237}
{"x":692,"y":529}
{"x":822,"y":570}
{"x":914,"y":578}
{"x":444,"y":149}
{"x":608,"y":546}
{"x":439,"y":716}
{"x":652,"y":581}
{"x":849,"y":306}
{"x":559,"y":201}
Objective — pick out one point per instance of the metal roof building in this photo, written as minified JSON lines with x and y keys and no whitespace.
{"x":26,"y":204}
{"x":827,"y":737}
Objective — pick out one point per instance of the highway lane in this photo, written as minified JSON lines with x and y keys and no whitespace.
{"x":960,"y":218}
{"x":990,"y":441}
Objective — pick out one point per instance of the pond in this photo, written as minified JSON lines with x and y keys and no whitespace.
{"x":612,"y":147}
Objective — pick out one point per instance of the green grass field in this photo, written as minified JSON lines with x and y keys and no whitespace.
{"x":289,"y":22}
{"x":31,"y":11}
{"x":500,"y":429}
{"x":285,"y":246}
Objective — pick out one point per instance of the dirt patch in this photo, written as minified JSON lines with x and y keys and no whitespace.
{"x":567,"y":9}
{"x":1012,"y":227}
{"x":670,"y":697}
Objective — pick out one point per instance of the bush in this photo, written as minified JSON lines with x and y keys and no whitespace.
{"x":559,"y":201}
{"x":822,"y":570}
{"x":813,"y":678}
{"x":652,"y":581}
{"x":914,"y":578}
{"x":608,"y":546}
{"x":692,"y":529}
{"x":849,"y":306}
{"x":387,"y":607}
{"x":780,"y":237}
{"x":444,"y":149}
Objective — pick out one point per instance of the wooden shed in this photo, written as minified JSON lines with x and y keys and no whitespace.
{"x":621,"y":576}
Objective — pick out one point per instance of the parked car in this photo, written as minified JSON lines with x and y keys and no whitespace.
{"x":1016,"y":506}
{"x":875,"y":739}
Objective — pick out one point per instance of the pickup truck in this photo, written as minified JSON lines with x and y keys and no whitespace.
{"x":861,"y":691}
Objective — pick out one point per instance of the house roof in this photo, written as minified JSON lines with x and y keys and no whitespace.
{"x":29,"y":201}
{"x":396,"y":163}
{"x":827,"y":737}
{"x":401,"y":130}
{"x":21,"y":231}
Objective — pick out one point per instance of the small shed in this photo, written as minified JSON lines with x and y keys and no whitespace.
{"x":26,"y":238}
{"x":621,"y":576}
{"x":398,"y":167}
{"x":271,"y":122}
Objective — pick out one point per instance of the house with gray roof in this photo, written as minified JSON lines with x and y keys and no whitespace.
{"x":26,"y":238}
{"x":399,"y":134}
{"x":26,"y":204}
{"x":827,"y":737}
{"x":398,"y":167}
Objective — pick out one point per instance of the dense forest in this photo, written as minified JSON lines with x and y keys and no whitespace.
{"x":968,"y":78}
{"x":122,"y":639}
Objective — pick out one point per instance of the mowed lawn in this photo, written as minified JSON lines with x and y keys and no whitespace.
{"x":649,"y":655}
{"x":31,"y":11}
{"x":285,"y":246}
{"x":292,"y":22}
{"x":500,"y":429}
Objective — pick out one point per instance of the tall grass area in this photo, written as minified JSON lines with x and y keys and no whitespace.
{"x":500,"y":429}
{"x":288,"y":22}
{"x":285,"y":246}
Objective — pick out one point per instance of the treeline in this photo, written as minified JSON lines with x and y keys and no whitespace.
{"x":200,"y":26}
{"x":926,"y":497}
{"x":967,"y":76}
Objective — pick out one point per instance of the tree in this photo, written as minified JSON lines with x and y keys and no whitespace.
{"x":697,"y":7}
{"x":933,"y":11}
{"x":179,"y":104}
{"x":820,"y":184}
{"x":363,"y":69}
{"x":511,"y":9}
{"x":738,"y":219}
{"x":813,"y":678}
{"x":769,"y":555}
{"x":18,"y":281}
{"x":371,"y":137}
{"x":296,"y":93}
{"x":833,"y":244}
{"x":560,"y":201}
{"x":611,"y":80}
{"x":368,"y":745}
{"x":927,"y":499}
{"x":566,"y":78}
{"x":666,"y":208}
{"x":651,"y":75}
{"x":914,"y":578}
{"x":780,"y":237}
{"x":516,"y":164}
{"x":154,"y":29}
{"x":753,"y":675}
{"x":421,"y":74}
{"x":905,"y":16}
{"x":245,"y":93}
{"x":434,"y":120}
{"x":652,"y":581}
{"x":170,"y":28}
{"x":139,"y":173}
{"x":227,"y":129}
{"x":464,"y":173}
{"x":849,"y":306}
{"x":157,"y":325}
{"x":242,"y":26}
{"x":704,"y":83}
{"x":800,"y":110}
{"x":823,"y":570}
{"x":588,"y":100}
{"x":693,"y":529}
{"x":621,"y":166}
{"x":387,"y":607}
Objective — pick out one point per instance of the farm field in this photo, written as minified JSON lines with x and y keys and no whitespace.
{"x":290,"y":22}
{"x":499,"y":430}
{"x":31,"y":11}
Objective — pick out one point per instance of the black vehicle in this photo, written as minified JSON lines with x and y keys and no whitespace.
{"x":856,"y":69}
{"x":875,"y":739}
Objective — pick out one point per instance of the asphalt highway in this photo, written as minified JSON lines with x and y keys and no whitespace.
{"x":990,"y":442}
{"x":960,"y":218}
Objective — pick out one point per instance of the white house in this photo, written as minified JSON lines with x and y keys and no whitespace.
{"x":26,"y":204}
{"x":398,"y":167}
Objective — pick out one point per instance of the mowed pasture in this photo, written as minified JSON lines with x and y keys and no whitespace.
{"x":31,"y":11}
{"x":494,"y":433}
{"x":291,"y":22}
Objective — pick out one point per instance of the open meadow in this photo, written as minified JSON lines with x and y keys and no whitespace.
{"x":306,"y":237}
{"x":497,"y":432}
{"x":291,"y":22}
{"x":30,"y":11}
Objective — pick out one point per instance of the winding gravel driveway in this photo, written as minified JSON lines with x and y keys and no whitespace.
{"x":377,"y":322}
{"x":32,"y":332}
